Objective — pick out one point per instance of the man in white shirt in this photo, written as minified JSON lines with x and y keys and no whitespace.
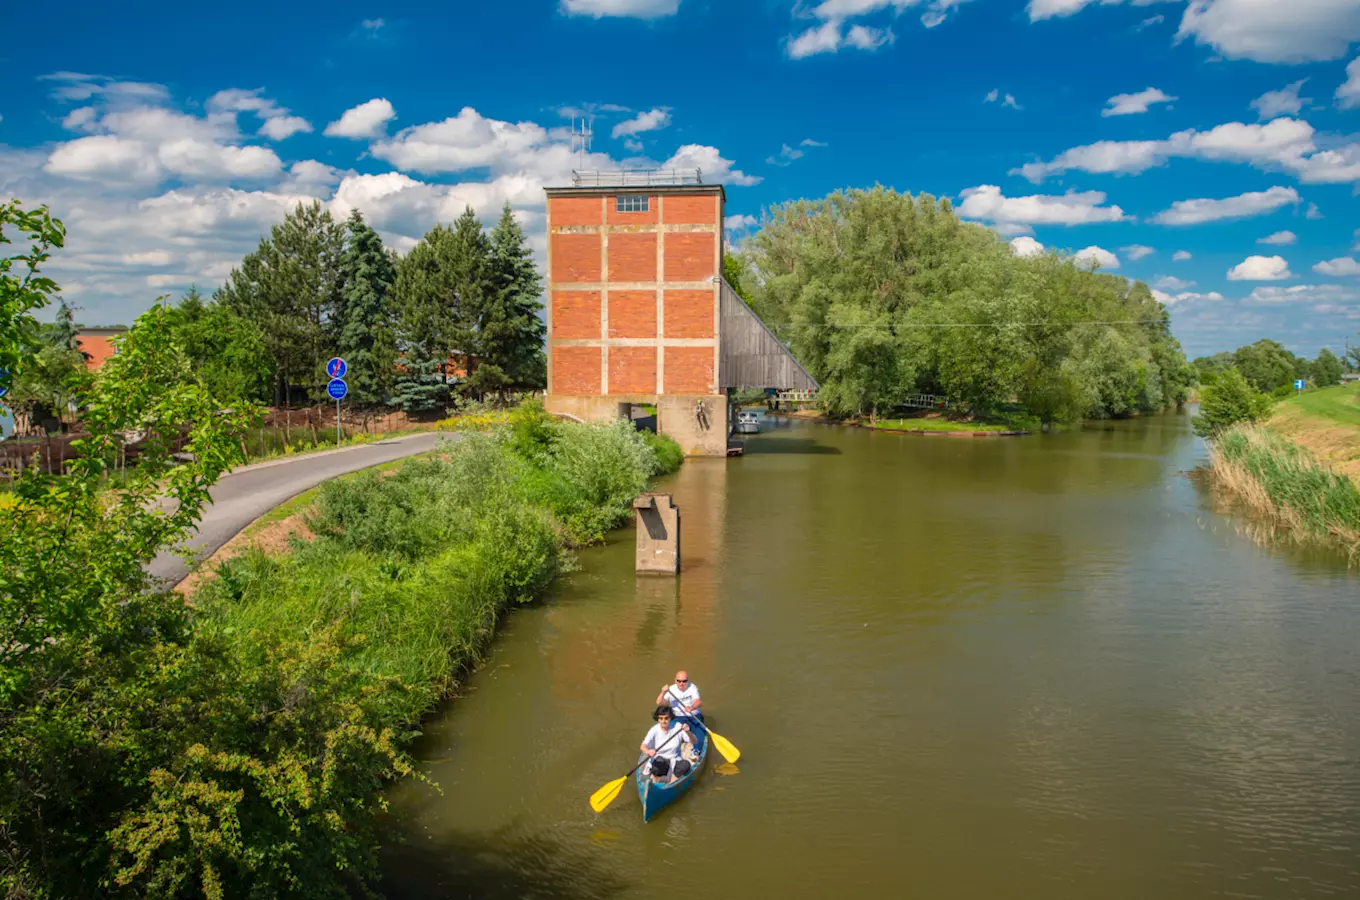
{"x":662,"y":744}
{"x":683,"y":698}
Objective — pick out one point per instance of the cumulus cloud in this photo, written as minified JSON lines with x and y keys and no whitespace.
{"x":629,"y":9}
{"x":652,"y":120}
{"x":1133,"y":104}
{"x":1172,"y":283}
{"x":1280,"y":145}
{"x":278,"y":124}
{"x":1180,"y":256}
{"x":1348,"y":94}
{"x":1008,"y":100}
{"x":740,"y":222}
{"x":987,"y":203}
{"x":1303,"y":293}
{"x":1096,"y":256}
{"x":832,"y":34}
{"x":1252,"y":203}
{"x":1280,"y":238}
{"x":712,"y":163}
{"x":830,"y":37}
{"x":1344,"y":265}
{"x":1284,"y":102}
{"x":1273,"y":32}
{"x":1166,"y":299}
{"x":1260,"y":268}
{"x":367,"y":120}
{"x":1026,"y":247}
{"x":1136,"y":252}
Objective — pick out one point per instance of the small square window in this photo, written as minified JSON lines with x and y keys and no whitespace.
{"x":632,"y":203}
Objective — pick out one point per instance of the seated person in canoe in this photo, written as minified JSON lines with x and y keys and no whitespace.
{"x":663,"y":743}
{"x":683,"y":698}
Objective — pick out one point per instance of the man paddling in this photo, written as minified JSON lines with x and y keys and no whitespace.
{"x":683,"y":698}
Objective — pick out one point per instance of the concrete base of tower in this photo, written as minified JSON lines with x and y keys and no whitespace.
{"x":698,"y":423}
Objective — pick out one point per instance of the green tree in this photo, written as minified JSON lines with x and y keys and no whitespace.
{"x":22,"y":289}
{"x":736,"y":270}
{"x":511,"y":330}
{"x":63,"y":331}
{"x":1266,"y":365}
{"x":290,"y":288}
{"x":225,"y":350}
{"x":1326,"y":368}
{"x":1229,"y":400}
{"x":367,"y":338}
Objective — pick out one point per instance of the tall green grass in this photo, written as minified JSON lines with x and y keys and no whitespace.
{"x":1288,"y":485}
{"x":419,"y":564}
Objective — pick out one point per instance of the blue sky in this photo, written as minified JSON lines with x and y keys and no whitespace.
{"x":1123,"y":130}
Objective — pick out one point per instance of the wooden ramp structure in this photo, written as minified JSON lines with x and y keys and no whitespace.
{"x":805,"y":398}
{"x":751,"y":357}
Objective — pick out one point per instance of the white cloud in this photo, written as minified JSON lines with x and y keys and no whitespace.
{"x":1172,"y":283}
{"x":282,"y":127}
{"x":1151,"y":20}
{"x":708,"y":160}
{"x":1282,"y":144}
{"x":630,"y":9}
{"x":1026,"y":247}
{"x":1184,"y":297}
{"x":1284,"y":102}
{"x":828,"y":38}
{"x":372,"y":26}
{"x":1008,"y":100}
{"x":1096,"y":256}
{"x":1136,"y":252}
{"x":809,"y":142}
{"x":1272,"y":31}
{"x":1303,"y":293}
{"x":1279,"y":238}
{"x":1344,"y":265}
{"x":1260,"y":268}
{"x":1348,"y":94}
{"x":652,"y":120}
{"x":986,"y":202}
{"x":832,"y":35}
{"x":1133,"y":104}
{"x":1313,"y":212}
{"x":148,"y":258}
{"x":469,"y":140}
{"x":1253,"y":203}
{"x":367,"y":120}
{"x":785,"y":156}
{"x":740,"y":222}
{"x":1181,"y":256}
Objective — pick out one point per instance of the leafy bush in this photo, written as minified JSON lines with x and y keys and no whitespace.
{"x":1228,"y":401}
{"x":669,"y":456}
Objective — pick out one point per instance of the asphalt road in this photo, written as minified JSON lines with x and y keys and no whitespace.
{"x":249,"y":492}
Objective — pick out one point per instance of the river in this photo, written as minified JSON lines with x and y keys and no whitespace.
{"x":1000,"y":668}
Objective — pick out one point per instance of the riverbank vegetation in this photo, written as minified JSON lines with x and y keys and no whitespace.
{"x":882,"y":295}
{"x":1272,"y":369}
{"x":1326,"y":422}
{"x":1287,"y":486}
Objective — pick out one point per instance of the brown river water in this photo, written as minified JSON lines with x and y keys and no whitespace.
{"x":1003,"y":668}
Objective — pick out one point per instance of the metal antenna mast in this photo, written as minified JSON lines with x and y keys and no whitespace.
{"x":580,"y":140}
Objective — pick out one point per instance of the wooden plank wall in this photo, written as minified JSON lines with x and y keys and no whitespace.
{"x":751,"y":356}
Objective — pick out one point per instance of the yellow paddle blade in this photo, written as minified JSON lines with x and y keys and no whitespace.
{"x":605,"y":795}
{"x":728,"y":750}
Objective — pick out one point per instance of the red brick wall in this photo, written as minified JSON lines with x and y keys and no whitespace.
{"x":576,"y":314}
{"x":632,"y":257}
{"x":613,"y":217}
{"x":632,"y":314}
{"x":632,"y":370}
{"x":575,"y":257}
{"x":691,"y":209}
{"x":689,"y":370}
{"x":576,"y":370}
{"x":688,"y":314}
{"x":689,"y":256}
{"x":574,"y":210}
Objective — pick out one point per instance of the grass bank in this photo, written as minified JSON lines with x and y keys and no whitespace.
{"x":936,"y":423}
{"x":1326,"y":422}
{"x":1288,"y":486}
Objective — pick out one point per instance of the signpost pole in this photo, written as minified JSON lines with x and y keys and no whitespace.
{"x":337,"y":423}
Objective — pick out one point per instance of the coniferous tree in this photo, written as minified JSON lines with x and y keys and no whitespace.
{"x":366,"y":338}
{"x":510,"y":345}
{"x":290,"y":288}
{"x":62,"y":333}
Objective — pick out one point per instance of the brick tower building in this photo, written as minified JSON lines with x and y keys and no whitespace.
{"x":637,"y":307}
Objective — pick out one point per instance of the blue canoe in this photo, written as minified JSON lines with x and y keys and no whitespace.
{"x":656,"y":797}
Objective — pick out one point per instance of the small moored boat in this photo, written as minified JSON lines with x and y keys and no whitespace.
{"x":748,"y":422}
{"x":656,"y":797}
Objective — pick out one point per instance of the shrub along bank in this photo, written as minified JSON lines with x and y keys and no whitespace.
{"x":1287,"y":485}
{"x":240,"y":747}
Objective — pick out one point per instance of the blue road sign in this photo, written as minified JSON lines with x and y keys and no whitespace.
{"x":337,"y":368}
{"x":337,"y":389}
{"x":1300,"y":384}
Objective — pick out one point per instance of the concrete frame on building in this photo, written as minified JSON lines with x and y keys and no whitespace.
{"x":636,"y":305}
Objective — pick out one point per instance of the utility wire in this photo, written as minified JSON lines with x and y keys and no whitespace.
{"x":967,"y":324}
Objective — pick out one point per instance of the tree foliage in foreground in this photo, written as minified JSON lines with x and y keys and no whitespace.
{"x":882,"y":294}
{"x":1230,"y":399}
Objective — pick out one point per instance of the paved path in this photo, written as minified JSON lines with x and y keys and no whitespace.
{"x":251,"y":491}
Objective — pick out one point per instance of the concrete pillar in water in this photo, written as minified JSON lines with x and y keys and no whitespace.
{"x":658,"y":534}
